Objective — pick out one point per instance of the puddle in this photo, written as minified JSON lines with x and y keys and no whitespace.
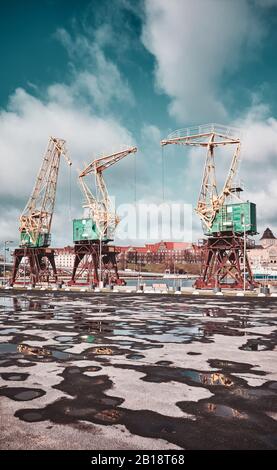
{"x":62,"y":356}
{"x":108,"y":401}
{"x":164,"y":363}
{"x":135,"y":356}
{"x":108,"y":416}
{"x":223,"y":411}
{"x":93,"y":369}
{"x":208,"y":378}
{"x":31,"y":416}
{"x":64,"y":339}
{"x":8,"y":348}
{"x":88,"y":338}
{"x":8,"y":331}
{"x":33,"y":351}
{"x":22,"y":394}
{"x":13,"y":376}
{"x":74,"y":370}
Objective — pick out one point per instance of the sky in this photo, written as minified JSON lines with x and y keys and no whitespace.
{"x":103,"y":74}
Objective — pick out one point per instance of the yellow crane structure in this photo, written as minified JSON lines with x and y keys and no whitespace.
{"x":210,"y":136}
{"x":36,"y":219}
{"x":226,"y":224}
{"x":92,"y":233}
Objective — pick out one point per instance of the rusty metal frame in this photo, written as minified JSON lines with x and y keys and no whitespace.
{"x":41,"y":265}
{"x":220,"y":264}
{"x":86,"y":264}
{"x":210,"y":136}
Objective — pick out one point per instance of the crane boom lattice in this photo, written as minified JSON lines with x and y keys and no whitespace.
{"x":224,"y":223}
{"x":210,"y":136}
{"x":100,"y":206}
{"x":36,"y":219}
{"x":95,"y":259}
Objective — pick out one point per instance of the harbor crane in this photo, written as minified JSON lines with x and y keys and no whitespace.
{"x":36,"y":219}
{"x":92,"y":234}
{"x":226,"y":224}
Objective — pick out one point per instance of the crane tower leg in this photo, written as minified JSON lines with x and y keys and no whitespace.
{"x":86,"y":264}
{"x":221,"y":264}
{"x":40,"y":266}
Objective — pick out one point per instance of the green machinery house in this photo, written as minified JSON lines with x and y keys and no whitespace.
{"x":43,"y":240}
{"x":235,"y":218}
{"x":86,"y":230}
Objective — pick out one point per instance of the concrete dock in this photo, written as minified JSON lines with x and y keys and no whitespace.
{"x":102,"y":370}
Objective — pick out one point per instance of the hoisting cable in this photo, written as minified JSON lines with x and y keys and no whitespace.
{"x":135,"y":179}
{"x":70,"y":214}
{"x":163,"y":175}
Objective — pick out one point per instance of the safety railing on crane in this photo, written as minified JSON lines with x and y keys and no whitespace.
{"x":231,"y":132}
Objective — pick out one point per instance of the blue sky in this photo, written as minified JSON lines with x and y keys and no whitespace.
{"x":103,"y":73}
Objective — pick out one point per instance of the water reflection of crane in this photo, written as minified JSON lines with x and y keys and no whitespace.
{"x":224,"y":411}
{"x":216,"y":378}
{"x":26,"y":304}
{"x":33,"y":350}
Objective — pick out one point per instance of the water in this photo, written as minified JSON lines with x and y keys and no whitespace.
{"x":167,"y":282}
{"x":196,"y":373}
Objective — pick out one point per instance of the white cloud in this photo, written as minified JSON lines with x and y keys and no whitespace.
{"x":97,"y":77}
{"x":195,"y":43}
{"x":80,"y":111}
{"x":259,"y":158}
{"x":26,"y":126}
{"x":24,"y":131}
{"x":257,"y":170}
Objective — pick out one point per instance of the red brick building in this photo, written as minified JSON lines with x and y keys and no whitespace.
{"x":167,"y":253}
{"x":157,"y":253}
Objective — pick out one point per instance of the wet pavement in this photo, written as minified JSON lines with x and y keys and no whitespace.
{"x":134,"y":371}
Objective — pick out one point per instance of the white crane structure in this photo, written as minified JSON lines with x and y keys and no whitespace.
{"x":36,"y":218}
{"x":210,"y":136}
{"x":100,"y":206}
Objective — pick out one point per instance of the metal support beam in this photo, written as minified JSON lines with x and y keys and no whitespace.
{"x":41,"y":266}
{"x":87,"y":264}
{"x":221,"y":266}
